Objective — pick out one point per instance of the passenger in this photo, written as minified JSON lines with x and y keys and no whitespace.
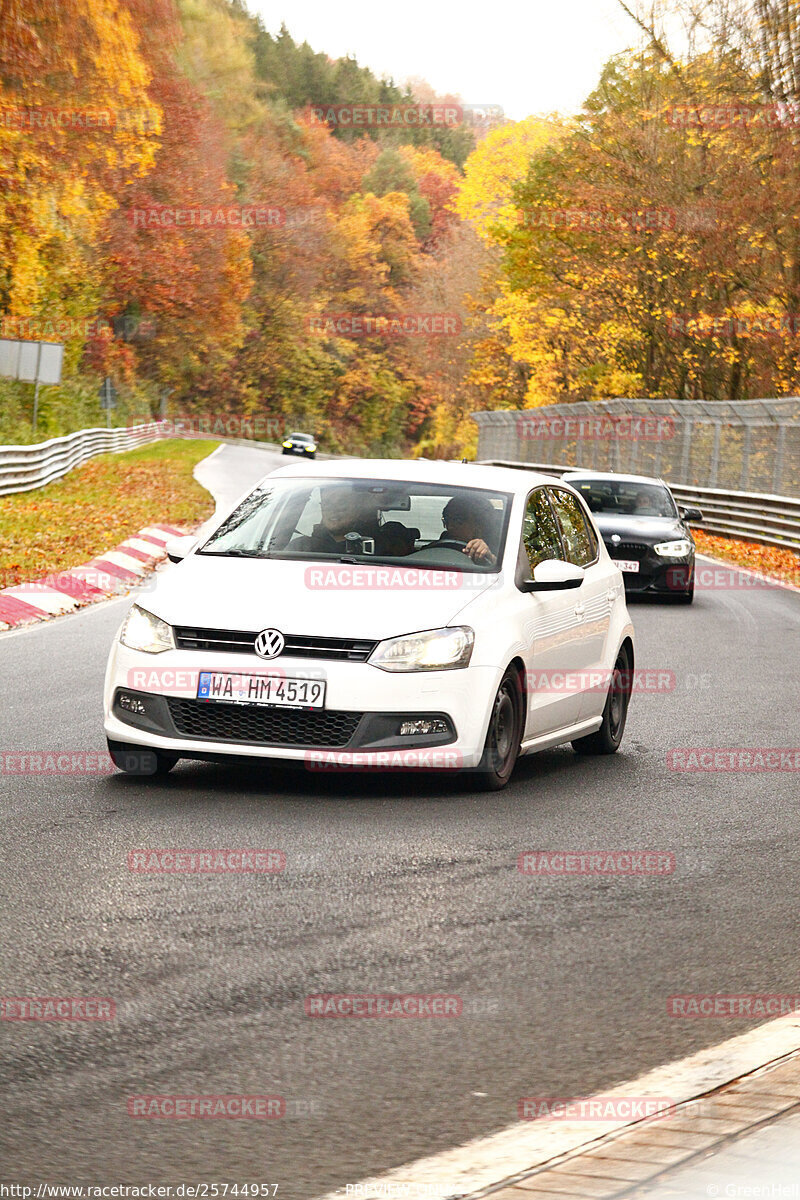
{"x":470,"y":519}
{"x":339,"y":513}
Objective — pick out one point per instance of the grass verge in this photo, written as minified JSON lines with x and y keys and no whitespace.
{"x":767,"y":560}
{"x":98,"y":505}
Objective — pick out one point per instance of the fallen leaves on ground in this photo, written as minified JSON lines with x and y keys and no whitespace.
{"x":767,"y":560}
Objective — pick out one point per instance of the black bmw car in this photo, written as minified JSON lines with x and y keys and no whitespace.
{"x":300,"y":443}
{"x":643,"y":529}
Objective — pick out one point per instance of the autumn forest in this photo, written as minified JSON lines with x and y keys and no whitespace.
{"x":215,"y":218}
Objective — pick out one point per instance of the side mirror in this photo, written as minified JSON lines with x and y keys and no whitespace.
{"x":179,"y":547}
{"x":691,"y":513}
{"x":554,"y":575}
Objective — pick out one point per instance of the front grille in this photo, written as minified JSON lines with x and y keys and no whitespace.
{"x":236,"y":641}
{"x":266,"y":726}
{"x":214,"y":639}
{"x":343,"y":649}
{"x":631,"y":550}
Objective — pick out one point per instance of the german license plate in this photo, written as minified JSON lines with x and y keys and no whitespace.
{"x":280,"y":691}
{"x":627,"y":564}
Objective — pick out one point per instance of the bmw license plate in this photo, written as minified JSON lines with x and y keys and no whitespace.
{"x":282,"y":691}
{"x":626,"y":564}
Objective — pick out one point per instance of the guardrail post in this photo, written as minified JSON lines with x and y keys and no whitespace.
{"x":714,"y":472}
{"x":688,"y":428}
{"x":778,"y":469}
{"x":748,"y":441}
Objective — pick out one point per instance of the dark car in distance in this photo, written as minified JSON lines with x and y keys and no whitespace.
{"x":303,"y":444}
{"x":644,"y":529}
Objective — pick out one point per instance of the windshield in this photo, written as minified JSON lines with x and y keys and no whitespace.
{"x":301,"y":437}
{"x":368,"y":520}
{"x":628,"y":499}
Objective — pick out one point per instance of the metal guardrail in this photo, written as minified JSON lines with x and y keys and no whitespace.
{"x":756,"y":517}
{"x":25,"y":468}
{"x":768,"y":519}
{"x":750,"y":445}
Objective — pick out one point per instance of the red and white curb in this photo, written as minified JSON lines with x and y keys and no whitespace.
{"x":113,"y":572}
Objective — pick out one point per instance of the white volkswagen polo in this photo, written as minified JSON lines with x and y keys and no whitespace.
{"x":365,"y":613}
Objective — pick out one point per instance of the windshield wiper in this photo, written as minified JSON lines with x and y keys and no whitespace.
{"x":235,"y":553}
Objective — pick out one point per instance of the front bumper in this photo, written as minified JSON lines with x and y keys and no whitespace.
{"x":661,"y":576}
{"x":364,"y":708}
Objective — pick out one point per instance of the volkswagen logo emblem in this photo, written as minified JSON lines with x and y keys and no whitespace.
{"x":269,"y":643}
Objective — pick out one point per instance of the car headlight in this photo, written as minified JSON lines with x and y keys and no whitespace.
{"x":287,"y":445}
{"x":143,"y":631}
{"x":310,"y":448}
{"x":677,"y":549}
{"x":433,"y":650}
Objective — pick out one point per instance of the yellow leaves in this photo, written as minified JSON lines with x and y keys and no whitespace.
{"x":68,"y":137}
{"x":499,"y":162}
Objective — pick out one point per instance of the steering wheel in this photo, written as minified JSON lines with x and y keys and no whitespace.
{"x":448,"y":544}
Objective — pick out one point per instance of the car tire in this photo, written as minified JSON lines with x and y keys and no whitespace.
{"x":504,"y":735}
{"x":286,"y":451}
{"x":607,"y":739}
{"x":141,"y":760}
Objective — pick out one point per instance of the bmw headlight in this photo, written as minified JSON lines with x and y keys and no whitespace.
{"x":143,"y":631}
{"x":433,"y":650}
{"x":677,"y":549}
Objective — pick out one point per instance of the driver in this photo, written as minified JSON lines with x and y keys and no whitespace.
{"x":469,"y":519}
{"x":339,"y":513}
{"x":645,"y":505}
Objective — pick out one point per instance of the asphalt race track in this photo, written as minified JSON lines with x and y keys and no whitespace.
{"x":393,"y":884}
